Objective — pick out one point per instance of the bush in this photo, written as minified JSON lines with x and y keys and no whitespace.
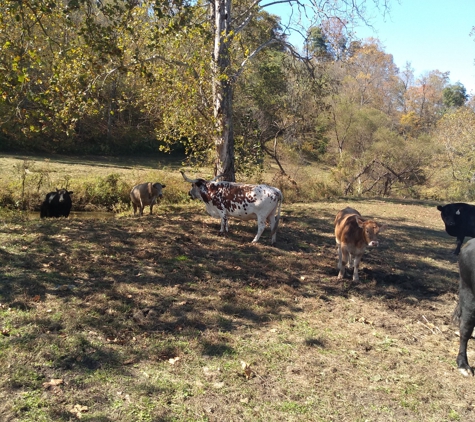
{"x":108,"y":192}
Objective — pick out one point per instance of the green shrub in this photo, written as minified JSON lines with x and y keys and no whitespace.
{"x":106,"y":192}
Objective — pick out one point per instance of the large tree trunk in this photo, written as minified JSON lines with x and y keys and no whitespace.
{"x":223,"y":91}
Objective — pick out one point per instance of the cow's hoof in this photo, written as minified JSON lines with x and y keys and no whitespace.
{"x":466,"y":372}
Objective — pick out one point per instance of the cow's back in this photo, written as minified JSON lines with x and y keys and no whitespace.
{"x":144,"y":193}
{"x":346,"y":225}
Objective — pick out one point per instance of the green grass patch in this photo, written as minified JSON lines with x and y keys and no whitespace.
{"x":159,"y":319}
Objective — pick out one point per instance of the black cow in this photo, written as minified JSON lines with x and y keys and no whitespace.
{"x":464,"y":314}
{"x":56,"y":204}
{"x":459,"y":219}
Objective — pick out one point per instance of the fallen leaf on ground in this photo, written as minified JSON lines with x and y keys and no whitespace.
{"x":248,"y":372}
{"x":78,"y":410}
{"x":53,"y":383}
{"x":172,"y":361}
{"x":365,"y":321}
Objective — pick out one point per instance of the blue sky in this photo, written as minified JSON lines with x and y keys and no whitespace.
{"x":430,"y":34}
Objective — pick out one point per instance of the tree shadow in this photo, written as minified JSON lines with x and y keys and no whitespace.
{"x":132,"y":161}
{"x":125,"y":280}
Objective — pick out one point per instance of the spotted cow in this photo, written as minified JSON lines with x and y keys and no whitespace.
{"x":238,"y":200}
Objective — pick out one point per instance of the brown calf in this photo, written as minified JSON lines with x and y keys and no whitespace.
{"x":353,"y":234}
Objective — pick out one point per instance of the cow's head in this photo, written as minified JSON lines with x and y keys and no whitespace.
{"x":371,"y":229}
{"x":158,"y":187}
{"x":197,"y":185}
{"x":449,"y":213}
{"x":63,"y":194}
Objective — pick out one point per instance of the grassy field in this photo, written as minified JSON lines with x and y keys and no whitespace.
{"x":104,"y":183}
{"x":159,"y":319}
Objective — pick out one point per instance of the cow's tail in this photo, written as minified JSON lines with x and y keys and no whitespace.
{"x":277,"y":217}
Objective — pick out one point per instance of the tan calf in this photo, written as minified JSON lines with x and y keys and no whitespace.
{"x":353,"y":234}
{"x":145,"y":194}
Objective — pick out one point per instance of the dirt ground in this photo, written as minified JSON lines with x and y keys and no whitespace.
{"x":159,"y":319}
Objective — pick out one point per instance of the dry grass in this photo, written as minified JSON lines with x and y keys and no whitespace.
{"x":108,"y":305}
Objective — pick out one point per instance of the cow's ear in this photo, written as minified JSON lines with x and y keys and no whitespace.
{"x":164,"y":186}
{"x":383,"y":227}
{"x":439,"y":207}
{"x":360,"y":222}
{"x":70,"y":192}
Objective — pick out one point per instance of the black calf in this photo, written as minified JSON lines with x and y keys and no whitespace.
{"x":56,"y":204}
{"x":459,"y":220}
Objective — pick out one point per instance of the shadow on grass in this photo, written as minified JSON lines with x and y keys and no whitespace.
{"x":130,"y":278}
{"x":315,"y":342}
{"x":151,"y":160}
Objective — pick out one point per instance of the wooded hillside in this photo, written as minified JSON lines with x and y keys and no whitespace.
{"x":119,"y":77}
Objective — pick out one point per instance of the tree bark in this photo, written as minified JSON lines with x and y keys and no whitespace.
{"x":223,"y":91}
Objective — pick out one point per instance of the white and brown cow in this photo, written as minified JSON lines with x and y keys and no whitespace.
{"x":353,"y":234}
{"x":145,"y":194}
{"x":238,"y":200}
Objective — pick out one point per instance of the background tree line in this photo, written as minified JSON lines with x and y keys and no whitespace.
{"x":124,"y":76}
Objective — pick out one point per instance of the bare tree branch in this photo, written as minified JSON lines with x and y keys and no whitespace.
{"x":365,"y":169}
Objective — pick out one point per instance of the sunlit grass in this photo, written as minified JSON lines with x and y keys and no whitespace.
{"x":152,"y":318}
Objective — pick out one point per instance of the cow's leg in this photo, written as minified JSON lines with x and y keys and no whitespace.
{"x":272,"y":219}
{"x":261,"y":225}
{"x":135,"y":208}
{"x":466,"y":308}
{"x":351,"y":261}
{"x":152,"y":203}
{"x":224,"y":225}
{"x":459,"y":244}
{"x":342,"y":256}
{"x":462,"y":361}
{"x":357,"y":259}
{"x":273,"y":229}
